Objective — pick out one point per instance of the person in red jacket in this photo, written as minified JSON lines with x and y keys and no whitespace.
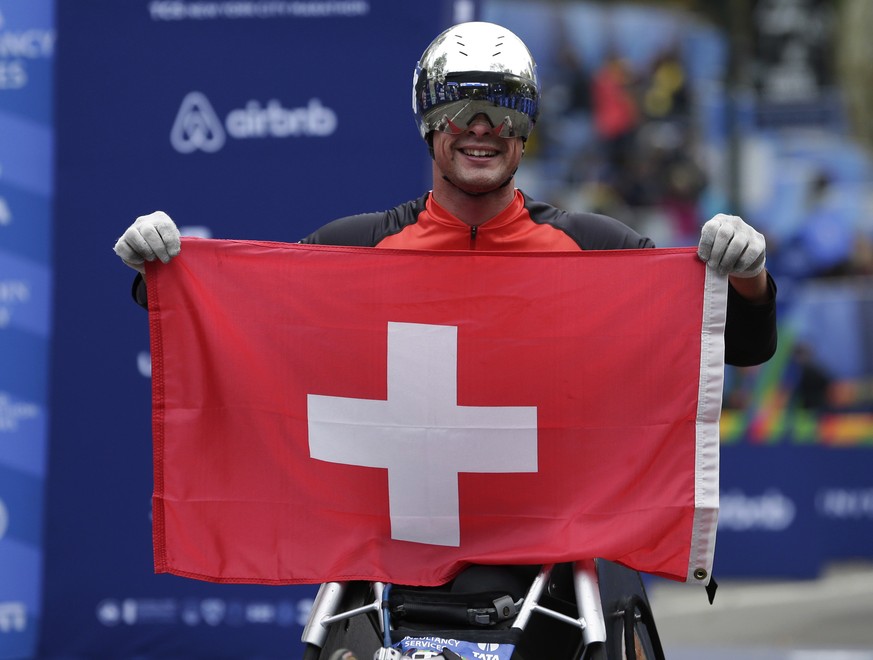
{"x":476,"y":100}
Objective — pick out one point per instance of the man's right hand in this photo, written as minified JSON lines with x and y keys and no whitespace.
{"x":150,"y":237}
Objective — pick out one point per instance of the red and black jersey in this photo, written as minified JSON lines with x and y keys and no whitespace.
{"x":528,"y":225}
{"x":524,"y":225}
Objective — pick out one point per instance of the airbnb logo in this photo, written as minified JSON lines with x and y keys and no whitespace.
{"x":198,"y":127}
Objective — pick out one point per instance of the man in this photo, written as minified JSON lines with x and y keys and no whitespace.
{"x":475,"y":98}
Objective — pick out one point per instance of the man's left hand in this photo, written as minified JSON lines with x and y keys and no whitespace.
{"x":732,"y":247}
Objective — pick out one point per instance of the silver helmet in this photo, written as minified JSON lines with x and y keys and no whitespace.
{"x":471,"y":69}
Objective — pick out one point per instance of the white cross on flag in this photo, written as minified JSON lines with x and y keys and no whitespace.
{"x":421,"y":435}
{"x":326,"y":413}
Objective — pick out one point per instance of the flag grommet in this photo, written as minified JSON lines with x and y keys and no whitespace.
{"x":700,"y":574}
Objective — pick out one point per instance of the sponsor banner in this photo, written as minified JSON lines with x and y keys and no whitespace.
{"x":198,"y":10}
{"x":27,"y":44}
{"x":193,"y":612}
{"x":25,"y":288}
{"x":25,"y":222}
{"x":21,"y":505}
{"x":788,"y":510}
{"x":767,"y":525}
{"x":256,"y":119}
{"x":843,"y":502}
{"x":421,"y":648}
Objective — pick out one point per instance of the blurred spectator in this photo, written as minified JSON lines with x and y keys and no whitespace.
{"x":674,"y":179}
{"x":573,"y":76}
{"x":811,"y":383}
{"x":667,"y":95}
{"x":824,"y":241}
{"x":685,"y":182}
{"x":862,"y":255}
{"x":635,"y":132}
{"x":616,"y":112}
{"x":565,"y":126}
{"x":624,"y":142}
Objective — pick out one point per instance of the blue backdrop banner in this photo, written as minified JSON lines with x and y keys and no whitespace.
{"x":788,"y":510}
{"x":27,"y":40}
{"x":242,"y":119}
{"x":264,"y":119}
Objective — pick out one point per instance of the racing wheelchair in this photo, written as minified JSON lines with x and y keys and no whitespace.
{"x":589,"y":610}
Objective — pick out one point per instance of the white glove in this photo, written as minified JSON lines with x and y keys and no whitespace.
{"x":150,"y":237}
{"x":732,"y":247}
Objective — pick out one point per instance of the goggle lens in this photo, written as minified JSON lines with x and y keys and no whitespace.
{"x":511,"y":106}
{"x":503,"y":129}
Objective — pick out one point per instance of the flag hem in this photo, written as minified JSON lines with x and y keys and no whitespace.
{"x":158,"y":406}
{"x":709,"y":401}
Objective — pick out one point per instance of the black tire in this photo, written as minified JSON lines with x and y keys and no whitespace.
{"x":359,"y":633}
{"x":629,"y":620}
{"x":595,"y":651}
{"x":311,"y":652}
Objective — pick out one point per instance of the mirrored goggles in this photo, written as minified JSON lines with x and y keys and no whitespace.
{"x":455,"y":118}
{"x":511,"y":107}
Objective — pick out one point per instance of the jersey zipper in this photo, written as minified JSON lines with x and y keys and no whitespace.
{"x":474,"y":231}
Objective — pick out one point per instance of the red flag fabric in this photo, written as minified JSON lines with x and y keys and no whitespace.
{"x":328,"y":413}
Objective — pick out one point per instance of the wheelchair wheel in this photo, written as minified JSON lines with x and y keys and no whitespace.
{"x":358,"y":635}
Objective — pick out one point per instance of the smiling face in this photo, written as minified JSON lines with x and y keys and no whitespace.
{"x":476,"y":160}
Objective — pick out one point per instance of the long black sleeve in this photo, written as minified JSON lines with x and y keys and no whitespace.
{"x":750,"y":331}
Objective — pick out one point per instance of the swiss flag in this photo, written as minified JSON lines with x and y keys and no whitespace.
{"x":329,"y":413}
